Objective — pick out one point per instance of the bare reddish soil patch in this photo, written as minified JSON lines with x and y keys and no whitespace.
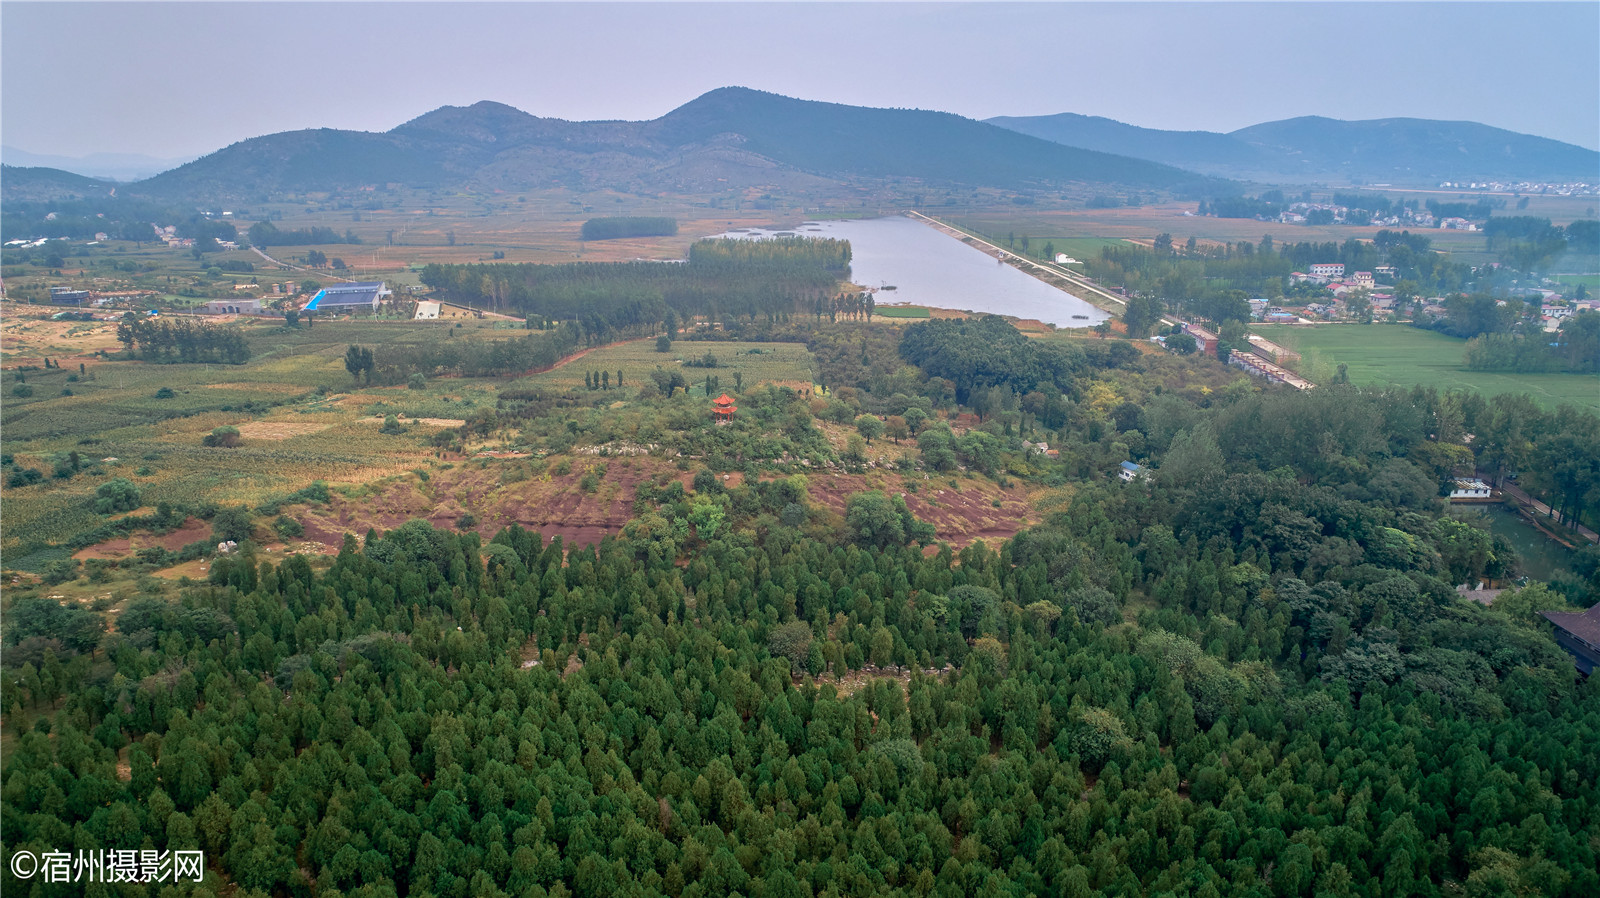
{"x":497,"y":493}
{"x":193,"y":530}
{"x":960,"y":517}
{"x":501,"y":492}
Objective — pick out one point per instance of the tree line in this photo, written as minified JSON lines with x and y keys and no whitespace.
{"x":264,"y":234}
{"x":722,"y":279}
{"x":177,"y":340}
{"x":396,"y":362}
{"x":613,"y":227}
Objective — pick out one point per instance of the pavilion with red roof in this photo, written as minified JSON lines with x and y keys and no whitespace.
{"x":722,"y":409}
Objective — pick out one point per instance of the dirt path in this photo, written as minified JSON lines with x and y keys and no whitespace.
{"x":578,"y":355}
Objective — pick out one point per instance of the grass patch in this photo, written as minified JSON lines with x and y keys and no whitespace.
{"x":1408,"y":356}
{"x":757,"y":363}
{"x":901,"y":312}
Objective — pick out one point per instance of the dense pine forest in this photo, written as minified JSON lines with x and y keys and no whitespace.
{"x":1248,"y":673}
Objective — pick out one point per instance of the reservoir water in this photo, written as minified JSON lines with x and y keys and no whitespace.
{"x":1540,"y":556}
{"x":929,"y":268}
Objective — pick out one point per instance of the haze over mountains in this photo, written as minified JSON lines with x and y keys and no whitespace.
{"x":1312,"y":149}
{"x":725,"y":139}
{"x":735,"y":137}
{"x":104,"y":166}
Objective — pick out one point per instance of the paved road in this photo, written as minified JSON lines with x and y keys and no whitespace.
{"x":257,"y":251}
{"x":323,"y":273}
{"x":1516,"y":493}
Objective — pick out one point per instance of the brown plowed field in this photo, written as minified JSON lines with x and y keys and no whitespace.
{"x":499,"y":492}
{"x":959,"y":517}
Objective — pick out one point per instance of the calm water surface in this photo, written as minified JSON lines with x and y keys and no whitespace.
{"x":1540,"y":555}
{"x":930,"y":268}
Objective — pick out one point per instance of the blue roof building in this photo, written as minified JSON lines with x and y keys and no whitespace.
{"x":1130,"y":471}
{"x":348,"y":297}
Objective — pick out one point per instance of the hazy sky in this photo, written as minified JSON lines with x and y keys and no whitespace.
{"x":172,"y":79}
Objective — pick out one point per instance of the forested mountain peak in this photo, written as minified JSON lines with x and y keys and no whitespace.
{"x":485,"y":121}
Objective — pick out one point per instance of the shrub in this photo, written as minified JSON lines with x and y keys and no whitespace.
{"x":663,"y":344}
{"x":224,"y":437}
{"x":288,"y":528}
{"x":231,"y":522}
{"x":58,"y":572}
{"x":21,"y":391}
{"x":24,"y":477}
{"x":165,"y":393}
{"x":117,"y":494}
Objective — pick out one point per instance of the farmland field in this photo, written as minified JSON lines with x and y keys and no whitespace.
{"x":301,"y":416}
{"x":1407,"y":356}
{"x":901,"y":312}
{"x":1081,"y":232}
{"x":757,"y":363}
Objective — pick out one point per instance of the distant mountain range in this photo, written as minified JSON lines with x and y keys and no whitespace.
{"x":726,"y":139}
{"x":1312,"y":149}
{"x":734,"y":138}
{"x":101,"y":166}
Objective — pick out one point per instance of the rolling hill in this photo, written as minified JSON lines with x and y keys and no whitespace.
{"x":1313,"y":149}
{"x":38,"y":184}
{"x":727,"y":138}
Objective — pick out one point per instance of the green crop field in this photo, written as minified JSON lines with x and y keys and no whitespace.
{"x":901,"y":312}
{"x":756,"y":362}
{"x":1408,"y":356}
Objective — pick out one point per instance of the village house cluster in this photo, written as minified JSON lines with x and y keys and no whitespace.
{"x":1540,"y":188}
{"x":1331,"y":213}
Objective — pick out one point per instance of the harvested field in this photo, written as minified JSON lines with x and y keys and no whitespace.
{"x":431,"y":422}
{"x":279,"y":430}
{"x":271,"y":388}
